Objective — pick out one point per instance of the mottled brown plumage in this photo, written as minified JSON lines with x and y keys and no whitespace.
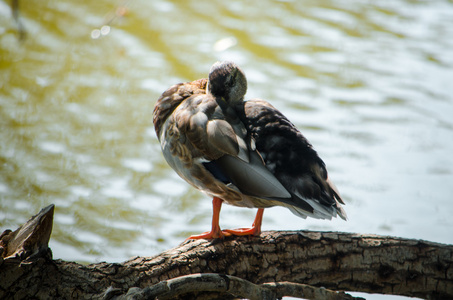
{"x":245,"y":153}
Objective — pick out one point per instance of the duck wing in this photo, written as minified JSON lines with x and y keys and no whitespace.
{"x":289,"y":157}
{"x":218,"y":139}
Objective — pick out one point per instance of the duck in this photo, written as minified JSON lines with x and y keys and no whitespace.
{"x":242,"y":153}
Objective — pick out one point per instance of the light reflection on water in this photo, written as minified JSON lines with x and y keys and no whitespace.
{"x":368,"y":84}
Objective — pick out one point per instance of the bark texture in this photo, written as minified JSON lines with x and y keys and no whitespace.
{"x":332,"y":260}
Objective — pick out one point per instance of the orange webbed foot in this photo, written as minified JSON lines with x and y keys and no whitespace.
{"x":216,"y":232}
{"x":210,"y":235}
{"x":254,"y":231}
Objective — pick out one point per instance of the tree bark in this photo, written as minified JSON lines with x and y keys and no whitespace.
{"x":286,"y":259}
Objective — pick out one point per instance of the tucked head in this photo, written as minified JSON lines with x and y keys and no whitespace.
{"x":227,"y":81}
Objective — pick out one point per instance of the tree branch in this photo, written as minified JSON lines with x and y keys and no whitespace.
{"x":274,"y":261}
{"x":230,"y":285}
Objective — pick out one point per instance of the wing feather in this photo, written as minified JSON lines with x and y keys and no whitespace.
{"x":252,"y":178}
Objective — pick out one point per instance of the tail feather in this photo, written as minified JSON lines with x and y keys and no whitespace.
{"x":336,"y":195}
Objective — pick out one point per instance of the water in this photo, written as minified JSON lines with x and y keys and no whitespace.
{"x":369,"y":84}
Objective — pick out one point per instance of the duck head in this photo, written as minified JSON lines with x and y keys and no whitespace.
{"x":227,"y":82}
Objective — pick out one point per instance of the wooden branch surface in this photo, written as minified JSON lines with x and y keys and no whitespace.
{"x":231,"y":285}
{"x":29,"y":240}
{"x":337,"y":261}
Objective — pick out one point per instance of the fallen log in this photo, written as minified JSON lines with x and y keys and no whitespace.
{"x":286,"y":263}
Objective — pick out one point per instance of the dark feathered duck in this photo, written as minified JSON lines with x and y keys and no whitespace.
{"x":244,"y":153}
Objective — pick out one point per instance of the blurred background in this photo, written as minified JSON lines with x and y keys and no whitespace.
{"x":370,"y":84}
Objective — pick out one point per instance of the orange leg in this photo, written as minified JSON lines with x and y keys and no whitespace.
{"x":256,"y":226}
{"x":215,"y":230}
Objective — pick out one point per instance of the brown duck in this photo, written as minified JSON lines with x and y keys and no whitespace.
{"x":244,"y":153}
